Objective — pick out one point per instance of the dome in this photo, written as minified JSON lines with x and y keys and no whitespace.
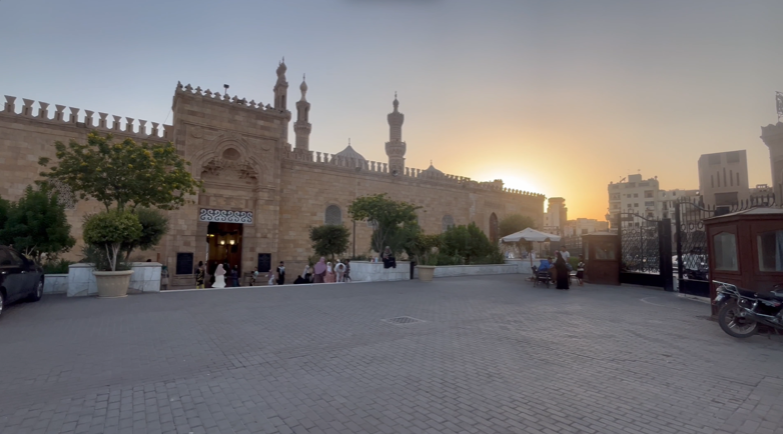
{"x":349,"y":152}
{"x":433,"y":170}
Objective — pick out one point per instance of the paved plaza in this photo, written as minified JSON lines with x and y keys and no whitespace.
{"x":488,"y":355}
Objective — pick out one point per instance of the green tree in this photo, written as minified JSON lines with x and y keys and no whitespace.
{"x":469,"y":242}
{"x":110,"y":230}
{"x":36,"y":225}
{"x":153,"y":226}
{"x":329,"y":240}
{"x":393,"y":222}
{"x":515,"y":223}
{"x":421,"y":248}
{"x":124,"y":174}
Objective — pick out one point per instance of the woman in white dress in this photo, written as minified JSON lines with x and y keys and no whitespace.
{"x":220,"y":277}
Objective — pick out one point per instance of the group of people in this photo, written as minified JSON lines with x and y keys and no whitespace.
{"x":561,"y":268}
{"x":227,"y":276}
{"x":325,"y":272}
{"x":321,"y":272}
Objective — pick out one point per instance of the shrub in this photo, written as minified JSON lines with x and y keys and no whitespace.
{"x":59,"y":266}
{"x":329,"y":240}
{"x":108,"y":231}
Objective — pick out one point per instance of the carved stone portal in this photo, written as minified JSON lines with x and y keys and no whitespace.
{"x":228,"y":170}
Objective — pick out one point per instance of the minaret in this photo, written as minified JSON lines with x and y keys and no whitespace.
{"x":302,"y":125}
{"x":395,"y":147}
{"x":281,"y":95}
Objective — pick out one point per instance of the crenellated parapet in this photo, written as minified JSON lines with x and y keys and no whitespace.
{"x":362,"y":165}
{"x":227,"y":99}
{"x":129,"y":127}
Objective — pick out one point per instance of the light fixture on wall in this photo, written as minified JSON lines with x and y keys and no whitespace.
{"x":222,"y":242}
{"x":231,"y":242}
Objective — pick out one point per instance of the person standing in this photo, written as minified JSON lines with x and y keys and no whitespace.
{"x":566,"y":257}
{"x":220,"y":277}
{"x":561,"y":272}
{"x":235,"y":276}
{"x":339,"y":270}
{"x":281,"y":273}
{"x":201,"y":274}
{"x":254,"y":277}
{"x":319,"y":271}
{"x":347,"y":275}
{"x":580,"y":270}
{"x":329,"y":277}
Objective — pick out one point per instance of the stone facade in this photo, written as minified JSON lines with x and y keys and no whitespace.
{"x":252,"y":176}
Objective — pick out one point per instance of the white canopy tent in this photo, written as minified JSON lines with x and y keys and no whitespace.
{"x":530,"y":234}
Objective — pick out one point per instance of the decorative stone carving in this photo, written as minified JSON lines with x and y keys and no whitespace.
{"x":64,"y":194}
{"x":240,"y":167}
{"x":225,"y":216}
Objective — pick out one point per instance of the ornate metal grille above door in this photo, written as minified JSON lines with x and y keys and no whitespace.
{"x":225,"y":216}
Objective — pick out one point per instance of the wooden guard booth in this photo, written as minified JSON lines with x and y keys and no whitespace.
{"x":602,"y":258}
{"x":746,"y":249}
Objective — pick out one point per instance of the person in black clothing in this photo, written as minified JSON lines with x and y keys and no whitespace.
{"x":281,"y":273}
{"x":561,"y":272}
{"x":388,"y":258}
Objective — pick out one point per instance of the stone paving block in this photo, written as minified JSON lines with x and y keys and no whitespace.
{"x":494,"y":355}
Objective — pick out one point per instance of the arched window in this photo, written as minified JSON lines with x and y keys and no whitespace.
{"x":447,"y":222}
{"x":493,"y":228}
{"x":333,"y":215}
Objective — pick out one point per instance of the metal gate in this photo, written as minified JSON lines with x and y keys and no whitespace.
{"x":692,"y":261}
{"x":645,"y":257}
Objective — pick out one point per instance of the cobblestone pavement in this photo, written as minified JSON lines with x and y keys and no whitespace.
{"x":490,"y":355}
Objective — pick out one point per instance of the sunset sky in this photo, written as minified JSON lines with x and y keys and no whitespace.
{"x":556,"y":97}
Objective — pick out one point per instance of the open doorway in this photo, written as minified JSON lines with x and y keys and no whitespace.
{"x":224,"y":245}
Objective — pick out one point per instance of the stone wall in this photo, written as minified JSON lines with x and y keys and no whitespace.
{"x":237,"y":148}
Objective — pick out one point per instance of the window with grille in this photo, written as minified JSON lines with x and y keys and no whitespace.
{"x":333,"y":216}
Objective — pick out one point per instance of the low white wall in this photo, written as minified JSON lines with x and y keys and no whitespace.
{"x":374,"y":272}
{"x":55,"y":283}
{"x":474,"y":270}
{"x":145,"y":278}
{"x":523,"y":265}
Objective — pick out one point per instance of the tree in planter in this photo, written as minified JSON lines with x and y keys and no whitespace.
{"x":421,"y":247}
{"x":153,"y":226}
{"x":330,"y":240}
{"x":393,"y":222}
{"x":515,"y":223}
{"x":110,"y":230}
{"x":125,"y":174}
{"x":36,"y":225}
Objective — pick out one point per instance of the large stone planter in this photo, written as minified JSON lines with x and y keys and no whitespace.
{"x":426,"y":272}
{"x":112,"y":284}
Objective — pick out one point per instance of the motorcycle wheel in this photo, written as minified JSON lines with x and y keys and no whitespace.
{"x":735,"y":325}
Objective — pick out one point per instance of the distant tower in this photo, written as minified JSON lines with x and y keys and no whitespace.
{"x":281,"y":95}
{"x":395,"y":147}
{"x":302,"y":125}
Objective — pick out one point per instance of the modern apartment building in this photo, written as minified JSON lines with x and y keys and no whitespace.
{"x":635,"y":195}
{"x":723,"y":178}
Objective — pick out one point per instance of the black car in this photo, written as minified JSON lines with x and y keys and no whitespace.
{"x":20,"y":278}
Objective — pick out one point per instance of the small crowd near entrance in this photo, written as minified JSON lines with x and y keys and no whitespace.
{"x":558,"y":269}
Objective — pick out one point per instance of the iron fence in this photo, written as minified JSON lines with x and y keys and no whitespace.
{"x":692,"y":260}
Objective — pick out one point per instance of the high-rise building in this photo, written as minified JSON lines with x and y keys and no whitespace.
{"x":723,"y":178}
{"x":635,"y":195}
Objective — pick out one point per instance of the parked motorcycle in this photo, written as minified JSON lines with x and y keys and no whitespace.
{"x":741,"y":312}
